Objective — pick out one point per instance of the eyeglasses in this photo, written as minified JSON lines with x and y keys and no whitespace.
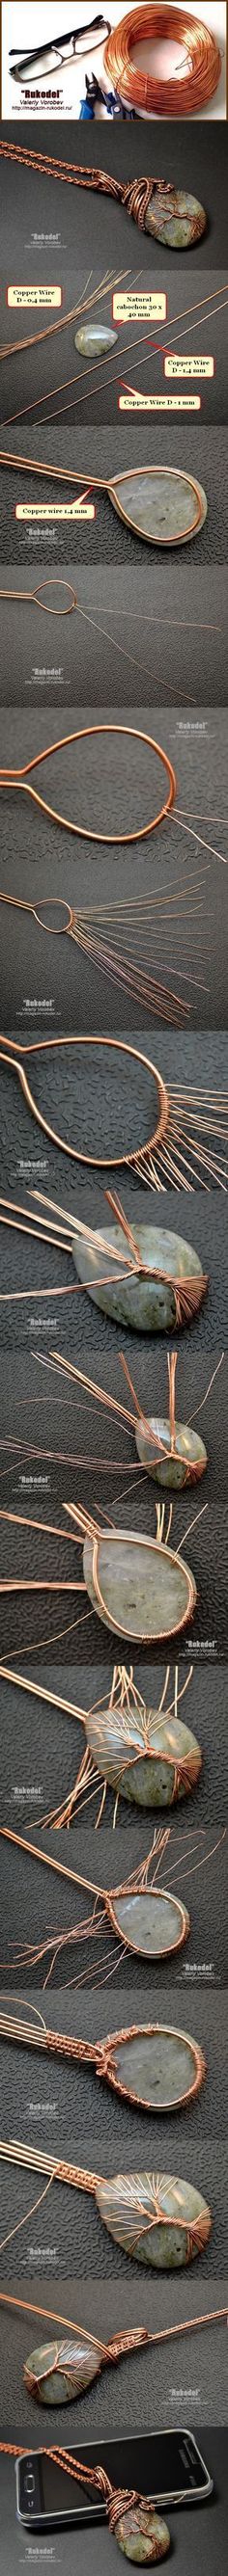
{"x":59,"y":53}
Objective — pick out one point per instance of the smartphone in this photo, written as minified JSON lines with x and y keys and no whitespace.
{"x":162,"y":2465}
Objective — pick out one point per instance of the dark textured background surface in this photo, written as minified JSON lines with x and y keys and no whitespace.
{"x":65,"y":661}
{"x":149,"y":2387}
{"x":74,"y":1323}
{"x":39,"y":1619}
{"x":204,"y":2531}
{"x":115,"y":781}
{"x":65,"y":2234}
{"x":24,"y":1555}
{"x":44,"y":370}
{"x":56,"y":1905}
{"x":77,"y":1087}
{"x":51,"y":2103}
{"x":41,"y":1751}
{"x":195,"y":157}
{"x":106,"y":452}
{"x":74,"y":1424}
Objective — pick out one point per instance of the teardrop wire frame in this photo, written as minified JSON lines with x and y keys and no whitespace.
{"x":136,"y":1885}
{"x":51,"y":581}
{"x":168,"y":472}
{"x":101,"y":2055}
{"x":183,"y":1117}
{"x":90,"y":1530}
{"x":98,"y":483}
{"x":19,"y":778}
{"x":184,"y":1767}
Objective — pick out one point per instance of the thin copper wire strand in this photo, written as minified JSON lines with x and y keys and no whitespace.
{"x":184,"y":96}
{"x":109,"y":283}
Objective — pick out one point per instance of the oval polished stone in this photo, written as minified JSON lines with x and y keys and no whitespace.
{"x":151,"y":1922}
{"x":147,"y":1592}
{"x":146,"y":1304}
{"x":160,"y":504}
{"x":157,"y":2067}
{"x":142,"y":2536}
{"x":156,"y":2218}
{"x":57,"y":2372}
{"x":178,"y":220}
{"x":94,"y":339}
{"x":189,"y":1462}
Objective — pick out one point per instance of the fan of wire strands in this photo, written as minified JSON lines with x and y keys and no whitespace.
{"x":185,"y":1148}
{"x":117,"y":939}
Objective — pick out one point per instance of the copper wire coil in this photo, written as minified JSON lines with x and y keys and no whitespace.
{"x":172,"y":97}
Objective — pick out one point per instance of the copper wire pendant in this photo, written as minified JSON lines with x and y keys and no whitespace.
{"x":57,"y":2373}
{"x":156,"y":205}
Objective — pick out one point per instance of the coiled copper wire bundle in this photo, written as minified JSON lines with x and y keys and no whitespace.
{"x":172,"y":97}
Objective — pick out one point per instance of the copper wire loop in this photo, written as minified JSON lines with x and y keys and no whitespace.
{"x":183,"y":96}
{"x":117,"y":840}
{"x":98,"y":1162}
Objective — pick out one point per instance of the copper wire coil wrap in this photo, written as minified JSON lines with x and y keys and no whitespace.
{"x":122,"y":2502}
{"x":183,"y":96}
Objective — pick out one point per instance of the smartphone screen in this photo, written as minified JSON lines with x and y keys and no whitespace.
{"x":161,"y":2465}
